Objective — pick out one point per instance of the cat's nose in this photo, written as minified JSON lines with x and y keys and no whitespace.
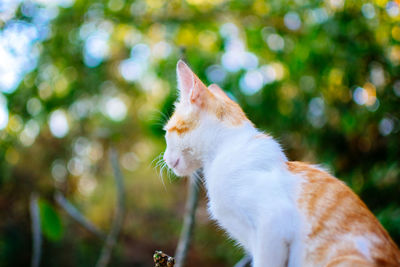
{"x":165,"y":160}
{"x":172,"y":163}
{"x":176,"y":163}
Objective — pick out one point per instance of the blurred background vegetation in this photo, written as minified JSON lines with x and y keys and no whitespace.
{"x":77,"y":77}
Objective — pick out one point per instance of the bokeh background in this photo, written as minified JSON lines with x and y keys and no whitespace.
{"x":78,"y":77}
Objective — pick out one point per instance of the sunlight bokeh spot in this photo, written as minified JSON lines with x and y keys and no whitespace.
{"x":45,"y":90}
{"x":17,"y":53}
{"x":371,"y":94}
{"x":251,"y":82}
{"x":386,"y":126}
{"x":394,"y":54}
{"x":374,"y":107}
{"x":75,"y":166}
{"x":307,"y":83}
{"x":81,"y":108}
{"x":96,"y":151}
{"x":275,"y":42}
{"x":279,"y":69}
{"x":28,"y":135}
{"x":268,"y":73}
{"x":12,"y":156}
{"x":138,"y":8}
{"x":130,"y":161}
{"x":8,"y":8}
{"x":140,"y":53}
{"x":336,"y":4}
{"x":33,"y":106}
{"x":377,"y":75}
{"x":58,"y":170}
{"x":62,"y":3}
{"x":292,"y":21}
{"x":360,"y":96}
{"x":131,"y":70}
{"x":86,"y":185}
{"x":316,"y":112}
{"x":317,"y":16}
{"x":250,"y":61}
{"x":232,"y":60}
{"x":81,"y":146}
{"x":161,"y":50}
{"x":15,"y":123}
{"x":396,"y":33}
{"x":216,"y":74}
{"x":115,"y":5}
{"x":207,"y":40}
{"x":58,"y":123}
{"x":3,"y":112}
{"x":229,"y":30}
{"x":366,"y":96}
{"x":368,"y":10}
{"x":115,"y":109}
{"x":96,"y":48}
{"x":392,"y":8}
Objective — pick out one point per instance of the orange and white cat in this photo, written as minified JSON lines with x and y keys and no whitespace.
{"x":283,"y":213}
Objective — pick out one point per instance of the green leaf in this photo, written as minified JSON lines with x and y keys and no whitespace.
{"x":50,"y":221}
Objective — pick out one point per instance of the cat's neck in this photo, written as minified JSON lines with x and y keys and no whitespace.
{"x":236,"y":140}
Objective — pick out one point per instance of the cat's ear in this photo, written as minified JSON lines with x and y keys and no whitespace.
{"x":217,"y":91}
{"x":191,"y":88}
{"x":185,"y":79}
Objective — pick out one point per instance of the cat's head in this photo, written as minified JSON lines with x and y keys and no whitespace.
{"x":201,"y":116}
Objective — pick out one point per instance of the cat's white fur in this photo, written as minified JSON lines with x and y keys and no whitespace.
{"x":251,"y":192}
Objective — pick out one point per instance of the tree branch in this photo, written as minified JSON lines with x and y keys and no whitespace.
{"x":245,"y":261}
{"x":189,"y":219}
{"x":119,"y":213}
{"x":77,"y":216}
{"x":36,"y":231}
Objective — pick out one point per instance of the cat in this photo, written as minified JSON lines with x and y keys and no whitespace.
{"x":283,"y":213}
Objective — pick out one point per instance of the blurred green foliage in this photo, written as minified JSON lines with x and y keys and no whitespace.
{"x":322,"y":76}
{"x":50,"y":222}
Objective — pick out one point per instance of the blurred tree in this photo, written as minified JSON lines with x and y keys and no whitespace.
{"x":77,"y":76}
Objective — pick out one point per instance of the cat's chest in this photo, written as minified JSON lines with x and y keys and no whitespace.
{"x":222,"y":202}
{"x":230,"y":211}
{"x":238,"y":200}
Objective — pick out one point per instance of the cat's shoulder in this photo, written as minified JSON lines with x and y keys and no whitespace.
{"x":309,"y":171}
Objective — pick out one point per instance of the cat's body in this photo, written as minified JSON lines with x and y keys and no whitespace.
{"x":283,"y":213}
{"x":290,"y":211}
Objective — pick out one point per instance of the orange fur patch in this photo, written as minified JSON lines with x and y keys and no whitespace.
{"x":333,"y":212}
{"x":224,"y":108}
{"x":261,"y":136}
{"x":179,"y":125}
{"x":212,"y":101}
{"x":349,"y":261}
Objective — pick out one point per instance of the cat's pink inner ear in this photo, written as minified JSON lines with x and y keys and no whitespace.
{"x":196,"y":94}
{"x":185,"y":79}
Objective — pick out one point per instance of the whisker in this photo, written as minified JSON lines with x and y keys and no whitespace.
{"x":157,"y":159}
{"x":158,"y":163}
{"x":162,"y":177}
{"x":155,"y":116}
{"x":198,"y":180}
{"x":169,"y":171}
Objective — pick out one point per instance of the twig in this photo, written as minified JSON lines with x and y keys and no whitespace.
{"x":36,"y":231}
{"x":119,"y":213}
{"x":77,"y":216}
{"x":245,"y":261}
{"x":188,"y":223}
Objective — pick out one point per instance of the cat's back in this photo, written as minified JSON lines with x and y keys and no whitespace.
{"x":340,"y":229}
